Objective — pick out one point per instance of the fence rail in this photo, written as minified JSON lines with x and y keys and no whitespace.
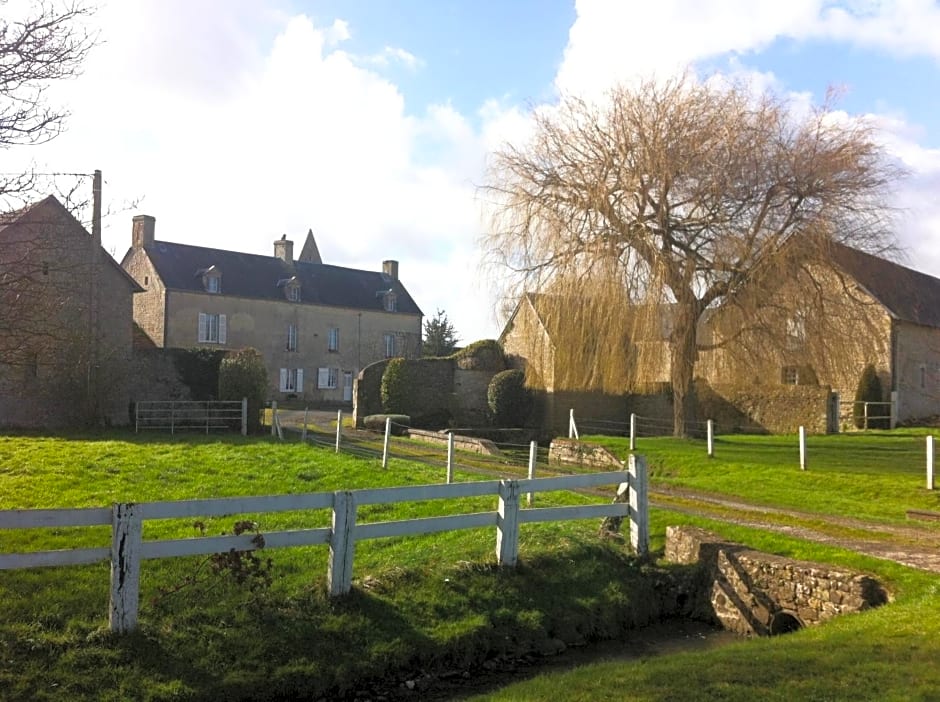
{"x":187,"y":415}
{"x":128,"y":548}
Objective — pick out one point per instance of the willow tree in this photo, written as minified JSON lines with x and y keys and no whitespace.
{"x":639,"y":217}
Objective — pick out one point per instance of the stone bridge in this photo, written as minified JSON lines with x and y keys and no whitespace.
{"x":755,"y":593}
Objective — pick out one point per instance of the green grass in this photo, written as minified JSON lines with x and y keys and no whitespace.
{"x":876,"y":476}
{"x":439,"y":602}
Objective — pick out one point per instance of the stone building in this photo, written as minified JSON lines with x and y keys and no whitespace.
{"x":890,"y":316}
{"x":65,"y":323}
{"x":315,"y":324}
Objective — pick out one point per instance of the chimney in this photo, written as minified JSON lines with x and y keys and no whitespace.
{"x":284,"y":249}
{"x":142,"y":230}
{"x":390,"y":268}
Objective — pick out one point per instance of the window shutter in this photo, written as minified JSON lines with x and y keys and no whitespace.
{"x":203,"y":324}
{"x":222,"y":331}
{"x":323,"y":377}
{"x":283,"y":380}
{"x":300,"y":380}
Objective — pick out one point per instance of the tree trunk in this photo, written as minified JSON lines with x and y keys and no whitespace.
{"x":683,"y":354}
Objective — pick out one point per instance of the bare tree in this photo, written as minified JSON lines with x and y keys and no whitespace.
{"x":676,"y":203}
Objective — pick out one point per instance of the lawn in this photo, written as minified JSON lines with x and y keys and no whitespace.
{"x":438,"y":602}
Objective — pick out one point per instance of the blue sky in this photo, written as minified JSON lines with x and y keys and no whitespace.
{"x":235,"y":121}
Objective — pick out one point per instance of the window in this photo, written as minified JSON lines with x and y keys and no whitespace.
{"x":291,"y":337}
{"x":796,"y":328}
{"x":293,"y":293}
{"x":213,"y":283}
{"x":390,"y":302}
{"x":790,"y":375}
{"x":389,"y":345}
{"x":332,"y":343}
{"x":292,"y":379}
{"x":211,"y":279}
{"x":211,"y":328}
{"x":327,"y":377}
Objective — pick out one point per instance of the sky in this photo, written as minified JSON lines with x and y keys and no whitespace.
{"x":234,"y":122}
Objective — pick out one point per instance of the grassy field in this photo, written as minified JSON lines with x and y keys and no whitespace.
{"x":439,"y":602}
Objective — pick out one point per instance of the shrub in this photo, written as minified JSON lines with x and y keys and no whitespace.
{"x":243,"y":374}
{"x":376,"y":422}
{"x":869,"y":390}
{"x":198,"y":370}
{"x":509,"y":399}
{"x":482,"y":355}
{"x":396,"y":387}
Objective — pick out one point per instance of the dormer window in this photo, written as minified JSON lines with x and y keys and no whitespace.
{"x":211,"y":279}
{"x":291,"y":288}
{"x":389,"y":300}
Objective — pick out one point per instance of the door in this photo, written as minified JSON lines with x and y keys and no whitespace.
{"x":347,"y":386}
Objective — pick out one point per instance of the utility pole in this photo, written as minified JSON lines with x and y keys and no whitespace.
{"x":92,"y":375}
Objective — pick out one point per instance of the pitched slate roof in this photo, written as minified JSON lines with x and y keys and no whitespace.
{"x":52,"y":212}
{"x":907,"y":294}
{"x":180,"y":267}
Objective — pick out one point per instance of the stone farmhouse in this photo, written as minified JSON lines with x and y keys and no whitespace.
{"x":66,"y":321}
{"x":898,"y":310}
{"x":315,"y":324}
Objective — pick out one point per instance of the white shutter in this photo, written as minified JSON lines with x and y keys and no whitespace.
{"x":300,"y":380}
{"x":203,"y":325}
{"x":323,"y":377}
{"x":222,"y":331}
{"x":283,"y":380}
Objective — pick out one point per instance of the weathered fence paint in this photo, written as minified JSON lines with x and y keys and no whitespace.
{"x":802,"y":448}
{"x":128,"y":549}
{"x":930,"y":480}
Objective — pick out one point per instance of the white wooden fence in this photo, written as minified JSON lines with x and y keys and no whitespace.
{"x":128,"y":548}
{"x":179,"y":415}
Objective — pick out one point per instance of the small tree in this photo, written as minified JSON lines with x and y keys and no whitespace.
{"x":439,"y":336}
{"x":869,"y":390}
{"x":243,"y":374}
{"x":509,"y":399}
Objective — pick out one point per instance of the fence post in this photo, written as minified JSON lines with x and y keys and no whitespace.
{"x":507,"y":523}
{"x":803,"y":447}
{"x":633,"y":431}
{"x":388,"y":432}
{"x":533,"y":457}
{"x":126,"y":536}
{"x":339,"y":427}
{"x":894,"y":409}
{"x":450,"y":458}
{"x":930,"y":481}
{"x":136,"y":417}
{"x":865,"y":416}
{"x":342,"y":543}
{"x":711,"y":438}
{"x":639,"y":505}
{"x":273,"y":417}
{"x":244,"y":416}
{"x":572,"y":427}
{"x":172,"y":418}
{"x":303,"y":434}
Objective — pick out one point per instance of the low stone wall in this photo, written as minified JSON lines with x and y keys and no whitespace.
{"x":574,"y":452}
{"x":464,"y":443}
{"x":779,"y":409}
{"x":755,"y":593}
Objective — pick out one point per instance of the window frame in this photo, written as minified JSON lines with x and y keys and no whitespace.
{"x":327,"y":378}
{"x":389,"y":340}
{"x":291,"y":337}
{"x":332,"y":340}
{"x":212,"y":328}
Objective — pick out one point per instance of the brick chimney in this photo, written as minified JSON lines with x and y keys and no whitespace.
{"x":390,"y":268}
{"x":142,"y":231}
{"x":284,"y":249}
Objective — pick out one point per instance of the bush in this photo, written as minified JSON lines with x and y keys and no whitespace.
{"x":509,"y":399}
{"x":198,"y":370}
{"x":396,"y":387}
{"x":376,"y":422}
{"x":482,"y":355}
{"x":243,"y":374}
{"x":869,"y":390}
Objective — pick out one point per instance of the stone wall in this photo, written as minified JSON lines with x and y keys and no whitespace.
{"x":367,"y":396}
{"x":776,"y":409}
{"x":574,"y":452}
{"x":469,"y":405}
{"x":464,"y":443}
{"x":755,"y":593}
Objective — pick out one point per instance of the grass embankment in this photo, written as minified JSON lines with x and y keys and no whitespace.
{"x":418,"y":602}
{"x":891,"y":653}
{"x":438,"y":601}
